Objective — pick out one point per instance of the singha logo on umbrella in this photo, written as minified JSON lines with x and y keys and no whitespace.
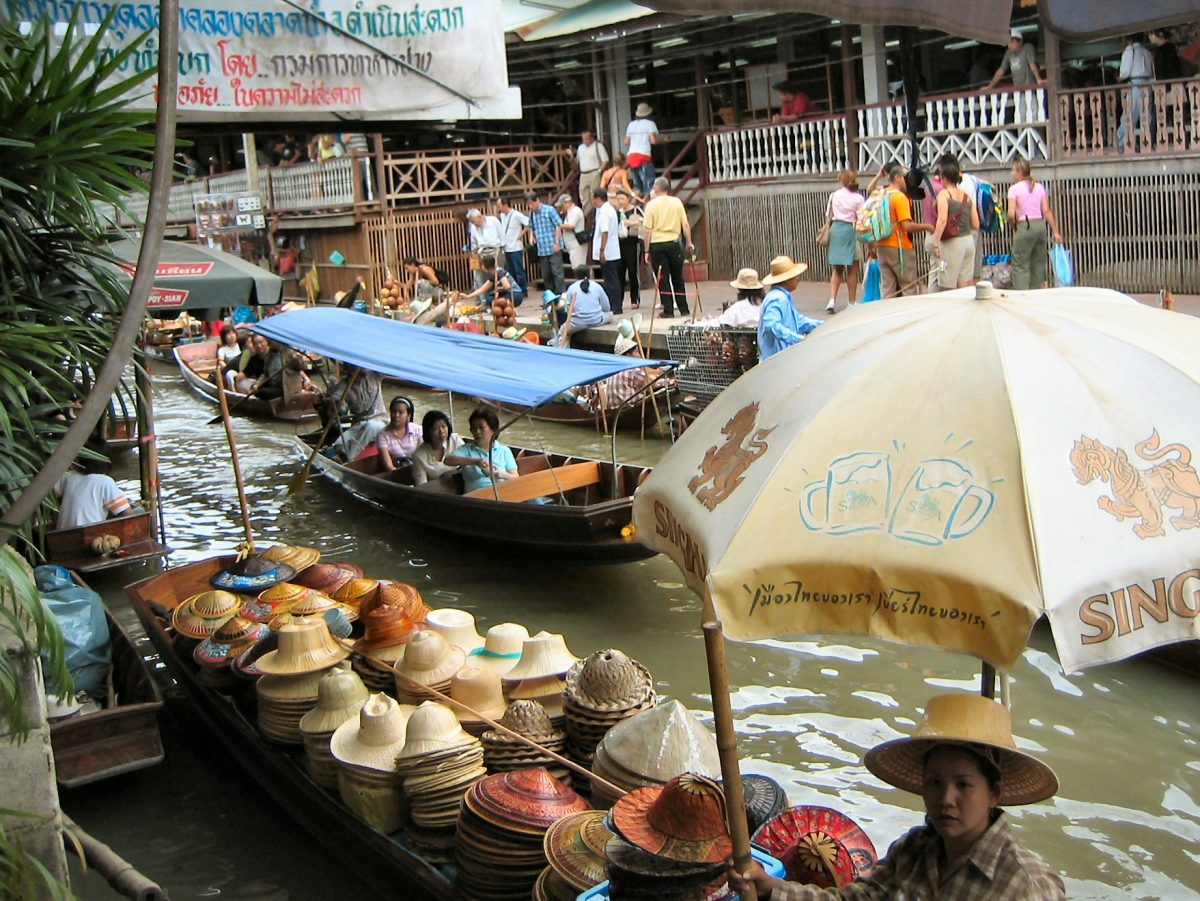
{"x":1142,"y":493}
{"x":725,"y":466}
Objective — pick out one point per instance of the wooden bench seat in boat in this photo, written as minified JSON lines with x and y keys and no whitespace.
{"x":71,"y":547}
{"x":544,"y":483}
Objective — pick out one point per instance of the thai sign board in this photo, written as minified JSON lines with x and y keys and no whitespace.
{"x":321,"y":59}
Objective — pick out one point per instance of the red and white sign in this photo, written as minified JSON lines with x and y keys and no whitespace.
{"x":174,"y":270}
{"x":167,"y":297}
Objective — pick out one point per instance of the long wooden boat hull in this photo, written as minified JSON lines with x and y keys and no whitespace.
{"x":121,"y":738}
{"x":387,"y":865}
{"x":589,"y":529}
{"x":199,"y":359}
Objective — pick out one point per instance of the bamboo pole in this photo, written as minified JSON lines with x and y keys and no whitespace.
{"x":637,"y":335}
{"x":731,"y":775}
{"x":571,"y":765}
{"x":237,"y":466}
{"x":118,"y":872}
{"x":148,"y":449}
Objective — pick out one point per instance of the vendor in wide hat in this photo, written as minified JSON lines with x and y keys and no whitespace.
{"x":963,"y":762}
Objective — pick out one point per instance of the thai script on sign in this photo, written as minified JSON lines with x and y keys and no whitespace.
{"x":897,"y":602}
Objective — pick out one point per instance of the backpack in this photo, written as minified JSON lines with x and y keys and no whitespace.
{"x":874,"y":222}
{"x":991,"y":214}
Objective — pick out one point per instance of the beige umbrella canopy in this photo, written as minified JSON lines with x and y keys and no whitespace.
{"x":942,"y":471}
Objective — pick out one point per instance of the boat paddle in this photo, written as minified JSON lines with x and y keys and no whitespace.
{"x":301,"y":478}
{"x":241,"y":400}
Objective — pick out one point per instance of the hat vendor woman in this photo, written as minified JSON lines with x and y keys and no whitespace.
{"x":963,"y":762}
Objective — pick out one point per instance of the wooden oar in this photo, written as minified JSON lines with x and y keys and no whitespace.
{"x":417,"y":689}
{"x":301,"y":478}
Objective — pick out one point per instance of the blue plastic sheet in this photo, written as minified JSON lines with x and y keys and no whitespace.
{"x":80,"y":615}
{"x":872,"y":286}
{"x":1064,"y":266}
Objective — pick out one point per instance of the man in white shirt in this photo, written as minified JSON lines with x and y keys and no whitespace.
{"x":512,"y":230}
{"x":574,"y":222}
{"x":606,"y":248}
{"x":640,"y":137}
{"x":88,"y":495}
{"x":1137,"y":67}
{"x":484,"y":239}
{"x":592,"y":159}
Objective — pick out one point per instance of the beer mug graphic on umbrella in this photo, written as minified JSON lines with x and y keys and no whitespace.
{"x":853,"y":496}
{"x":940,"y":503}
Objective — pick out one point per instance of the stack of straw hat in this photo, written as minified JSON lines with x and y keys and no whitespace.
{"x":314,"y":605}
{"x":602,"y":690}
{"x":429,"y":662}
{"x":478,"y":688}
{"x":199,"y":616}
{"x":651,"y":748}
{"x":234,"y":636}
{"x":503,"y":753}
{"x":356,"y":592}
{"x":574,"y":847}
{"x":296,"y":556}
{"x":404,"y":597}
{"x":387,"y":633}
{"x":273,"y":601}
{"x":340,"y":695}
{"x":501,"y":829}
{"x":252,"y":574}
{"x":438,"y":764}
{"x":288,"y":688}
{"x":365,"y":748}
{"x":672,"y":842}
{"x":328,"y":577}
{"x":765,"y":799}
{"x":541,"y":674}
{"x":501,"y":647}
{"x":457,"y":627}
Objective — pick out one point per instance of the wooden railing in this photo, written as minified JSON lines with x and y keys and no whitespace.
{"x":468,"y":176}
{"x":754,"y":152}
{"x":1160,"y":117}
{"x":981,"y":129}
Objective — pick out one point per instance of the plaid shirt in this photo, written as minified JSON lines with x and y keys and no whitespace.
{"x":997,"y":869}
{"x":544,"y":221}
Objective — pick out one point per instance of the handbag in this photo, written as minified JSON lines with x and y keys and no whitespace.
{"x":823,"y":234}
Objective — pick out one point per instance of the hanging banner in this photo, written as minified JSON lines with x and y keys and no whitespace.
{"x":321,"y":59}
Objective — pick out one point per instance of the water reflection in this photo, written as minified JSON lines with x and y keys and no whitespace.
{"x":1122,"y":738}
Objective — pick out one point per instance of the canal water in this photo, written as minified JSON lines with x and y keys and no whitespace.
{"x":1123,"y":738}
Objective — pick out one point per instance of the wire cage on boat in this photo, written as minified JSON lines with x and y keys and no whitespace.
{"x":711,"y":358}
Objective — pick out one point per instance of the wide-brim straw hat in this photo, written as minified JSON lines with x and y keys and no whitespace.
{"x":374,"y":737}
{"x":356,"y":592}
{"x":574,"y":846}
{"x":387,"y":628}
{"x":501,"y":647}
{"x":253,"y":573}
{"x":643,"y":110}
{"x":234,"y":636}
{"x":609,"y":680}
{"x":784,"y":268}
{"x":433,"y":727}
{"x":429,"y":659}
{"x":971,"y":720}
{"x":544,"y":654}
{"x":683,"y":820}
{"x":296,"y":556}
{"x":328,"y":577}
{"x":661,"y":743}
{"x":623,"y":345}
{"x":304,"y":647}
{"x":456,"y":626}
{"x":747,"y":280}
{"x":202,"y":614}
{"x":403,"y":596}
{"x":478,"y":687}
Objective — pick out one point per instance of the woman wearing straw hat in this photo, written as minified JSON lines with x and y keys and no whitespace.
{"x":963,"y":761}
{"x":747,"y":309}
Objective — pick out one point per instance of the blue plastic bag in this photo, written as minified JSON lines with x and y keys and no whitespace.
{"x":1064,"y":266}
{"x":872,"y":286}
{"x":80,"y":615}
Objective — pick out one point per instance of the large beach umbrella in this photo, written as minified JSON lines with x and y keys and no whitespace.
{"x":194,"y":276}
{"x":942,"y":471}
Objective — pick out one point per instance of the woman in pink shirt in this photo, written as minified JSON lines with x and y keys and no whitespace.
{"x":842,"y":210}
{"x":1029,"y":211}
{"x":399,"y":441}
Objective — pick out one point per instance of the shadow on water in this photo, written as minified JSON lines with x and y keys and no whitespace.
{"x":1122,"y":738}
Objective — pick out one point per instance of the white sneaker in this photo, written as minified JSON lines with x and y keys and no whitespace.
{"x":831,"y":307}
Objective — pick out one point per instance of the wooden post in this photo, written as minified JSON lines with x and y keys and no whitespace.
{"x":380,"y":170}
{"x":850,"y":95}
{"x":1053,"y":84}
{"x":147,"y":449}
{"x":233,"y":456}
{"x":250,"y":152}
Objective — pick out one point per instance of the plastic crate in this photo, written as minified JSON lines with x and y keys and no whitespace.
{"x":769,"y":863}
{"x":712,"y":358}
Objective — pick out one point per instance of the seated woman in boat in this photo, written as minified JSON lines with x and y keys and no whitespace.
{"x":298,"y":390}
{"x":230,"y":350}
{"x":399,"y":440}
{"x":963,"y":762}
{"x":254,"y":367}
{"x":439,"y":441}
{"x":270,"y":387}
{"x":235,"y":368}
{"x":485,"y":460}
{"x":587,"y":305}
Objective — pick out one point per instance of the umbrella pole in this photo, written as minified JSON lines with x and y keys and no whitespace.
{"x":987,"y":680}
{"x":237,"y":466}
{"x":731,"y":775}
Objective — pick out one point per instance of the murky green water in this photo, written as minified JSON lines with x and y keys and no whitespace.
{"x":1122,"y":738}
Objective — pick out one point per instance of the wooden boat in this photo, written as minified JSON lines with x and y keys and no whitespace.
{"x":383,"y":862}
{"x":598,"y":504}
{"x":198,"y":363}
{"x":118,"y":429}
{"x":123,"y":736}
{"x":71,"y":548}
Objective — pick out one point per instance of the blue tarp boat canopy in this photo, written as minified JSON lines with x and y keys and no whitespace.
{"x":510,"y":371}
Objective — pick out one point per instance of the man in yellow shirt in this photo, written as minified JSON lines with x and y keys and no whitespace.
{"x":664,"y":222}
{"x":897,"y":259}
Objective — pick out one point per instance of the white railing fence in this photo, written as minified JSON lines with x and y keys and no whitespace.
{"x":809,"y":147}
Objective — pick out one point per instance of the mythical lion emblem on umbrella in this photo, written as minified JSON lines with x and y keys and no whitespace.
{"x":725,"y":466}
